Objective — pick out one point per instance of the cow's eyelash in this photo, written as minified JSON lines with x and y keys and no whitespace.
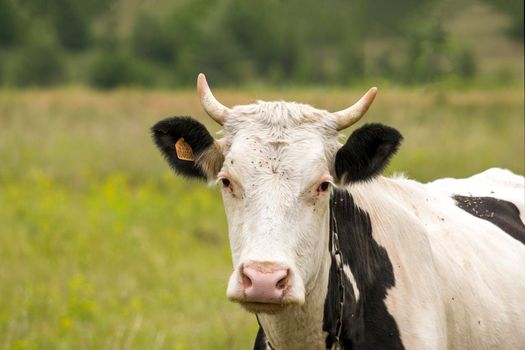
{"x":323,"y":186}
{"x":226,"y":182}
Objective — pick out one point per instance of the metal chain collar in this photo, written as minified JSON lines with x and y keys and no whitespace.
{"x":338,"y":256}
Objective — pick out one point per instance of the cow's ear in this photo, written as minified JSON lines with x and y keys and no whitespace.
{"x":188,"y":147}
{"x":366,"y":153}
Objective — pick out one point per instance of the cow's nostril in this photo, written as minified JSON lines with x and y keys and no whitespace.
{"x":246,"y":281}
{"x":281,"y":284}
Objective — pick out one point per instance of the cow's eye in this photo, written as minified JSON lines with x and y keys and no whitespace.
{"x":226,"y":182}
{"x":323,"y":187}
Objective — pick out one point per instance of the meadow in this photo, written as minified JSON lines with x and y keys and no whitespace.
{"x":102,"y":247}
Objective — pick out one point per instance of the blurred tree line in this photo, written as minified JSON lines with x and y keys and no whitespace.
{"x":46,"y":42}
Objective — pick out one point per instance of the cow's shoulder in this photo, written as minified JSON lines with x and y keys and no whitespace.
{"x":495,"y":182}
{"x":495,"y":195}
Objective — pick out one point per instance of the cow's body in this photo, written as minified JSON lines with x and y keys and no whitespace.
{"x":458,"y":279}
{"x":424,"y":266}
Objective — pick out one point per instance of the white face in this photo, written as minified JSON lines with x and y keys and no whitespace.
{"x":276,"y":186}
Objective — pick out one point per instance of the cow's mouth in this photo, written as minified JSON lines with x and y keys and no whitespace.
{"x":263,"y":308}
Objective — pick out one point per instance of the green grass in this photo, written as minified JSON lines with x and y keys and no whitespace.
{"x":101,"y":247}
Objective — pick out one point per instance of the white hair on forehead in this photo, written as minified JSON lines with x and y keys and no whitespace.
{"x":278,"y":123}
{"x":280,"y":114}
{"x":289,"y":137}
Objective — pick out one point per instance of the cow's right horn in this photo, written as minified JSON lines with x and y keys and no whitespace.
{"x":352,"y":114}
{"x":214,"y":108}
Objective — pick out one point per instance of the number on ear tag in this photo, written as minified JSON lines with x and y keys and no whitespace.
{"x":183,"y":150}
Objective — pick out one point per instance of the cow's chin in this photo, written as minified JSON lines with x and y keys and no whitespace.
{"x":264,"y":308}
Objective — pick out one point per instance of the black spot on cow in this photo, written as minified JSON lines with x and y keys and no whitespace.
{"x":167,"y":132}
{"x":261,"y":343}
{"x":367,"y":324}
{"x":501,"y":213}
{"x":366,"y":153}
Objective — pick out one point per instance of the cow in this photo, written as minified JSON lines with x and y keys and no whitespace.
{"x":329,"y":253}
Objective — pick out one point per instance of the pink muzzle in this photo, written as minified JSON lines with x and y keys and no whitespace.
{"x":264,"y":282}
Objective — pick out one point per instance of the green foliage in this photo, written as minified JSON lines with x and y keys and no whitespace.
{"x":424,"y":55}
{"x":38,"y":64}
{"x":203,"y":43}
{"x":515,"y":10}
{"x":151,"y":41}
{"x":71,"y":25}
{"x":432,"y":55}
{"x":10,"y":24}
{"x":271,"y":42}
{"x":263,"y":37}
{"x":465,"y":63}
{"x":113,"y":69}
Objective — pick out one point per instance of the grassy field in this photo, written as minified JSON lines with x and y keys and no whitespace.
{"x":101,"y":247}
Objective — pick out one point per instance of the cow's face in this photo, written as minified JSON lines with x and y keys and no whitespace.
{"x":276,"y":180}
{"x":276,"y":164}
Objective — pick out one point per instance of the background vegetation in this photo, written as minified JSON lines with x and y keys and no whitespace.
{"x":166,"y":43}
{"x":101,"y":247}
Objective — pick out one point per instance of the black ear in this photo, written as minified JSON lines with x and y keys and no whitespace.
{"x":181,"y":141}
{"x":366,"y":153}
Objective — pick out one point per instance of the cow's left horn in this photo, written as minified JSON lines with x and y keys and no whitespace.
{"x":352,"y":114}
{"x":214,"y":108}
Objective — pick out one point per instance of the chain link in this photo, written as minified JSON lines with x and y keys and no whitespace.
{"x":336,"y":249}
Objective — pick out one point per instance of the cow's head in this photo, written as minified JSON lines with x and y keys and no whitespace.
{"x":276,"y":163}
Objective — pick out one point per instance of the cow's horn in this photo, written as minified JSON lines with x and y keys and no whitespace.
{"x":352,"y":114}
{"x":214,"y":108}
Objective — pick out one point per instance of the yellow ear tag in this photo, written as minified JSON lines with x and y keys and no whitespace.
{"x":184,"y":151}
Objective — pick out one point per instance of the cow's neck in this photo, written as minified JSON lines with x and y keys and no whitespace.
{"x":367,"y":271}
{"x":368,"y":276}
{"x":300,"y":327}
